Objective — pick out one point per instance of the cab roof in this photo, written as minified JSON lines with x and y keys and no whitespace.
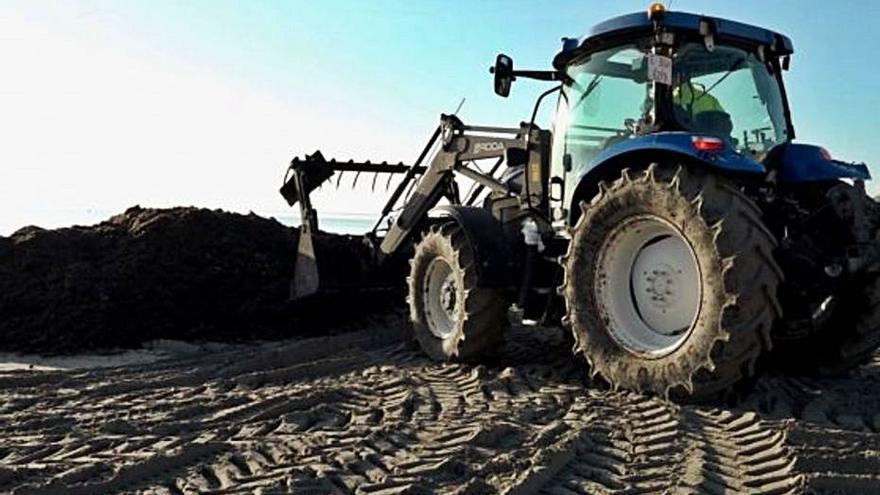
{"x":622,"y":28}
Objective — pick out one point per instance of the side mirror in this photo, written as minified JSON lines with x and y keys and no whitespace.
{"x":503,"y":71}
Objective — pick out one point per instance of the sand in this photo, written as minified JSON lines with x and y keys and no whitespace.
{"x":150,"y":352}
{"x":363,"y":412}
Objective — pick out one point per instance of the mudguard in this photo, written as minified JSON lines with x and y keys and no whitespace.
{"x":677,"y":145}
{"x":492,"y":253}
{"x":680,"y":143}
{"x":808,"y":163}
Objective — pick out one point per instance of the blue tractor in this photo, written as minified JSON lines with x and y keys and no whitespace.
{"x":668,"y":221}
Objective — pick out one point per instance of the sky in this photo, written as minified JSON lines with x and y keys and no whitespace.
{"x":109,"y":104}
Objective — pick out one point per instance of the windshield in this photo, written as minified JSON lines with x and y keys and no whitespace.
{"x":729,"y":93}
{"x":607,"y":95}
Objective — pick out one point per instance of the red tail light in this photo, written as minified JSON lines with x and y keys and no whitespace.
{"x":706,"y":143}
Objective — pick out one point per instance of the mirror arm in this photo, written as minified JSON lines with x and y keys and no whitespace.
{"x":541,"y":75}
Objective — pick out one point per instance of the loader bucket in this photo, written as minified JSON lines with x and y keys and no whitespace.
{"x":334,"y":265}
{"x":306,"y":176}
{"x":311,"y":172}
{"x":342,"y":268}
{"x":306,"y":280}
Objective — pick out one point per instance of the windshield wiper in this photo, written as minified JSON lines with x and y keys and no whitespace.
{"x":733,"y":68}
{"x":594,"y":83}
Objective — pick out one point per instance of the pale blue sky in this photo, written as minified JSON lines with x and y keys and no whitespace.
{"x":106,"y":104}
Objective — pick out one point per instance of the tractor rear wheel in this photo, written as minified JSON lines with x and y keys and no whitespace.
{"x":453,"y":319}
{"x":670,"y":284}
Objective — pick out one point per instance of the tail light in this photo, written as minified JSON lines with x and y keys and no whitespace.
{"x":706,"y":143}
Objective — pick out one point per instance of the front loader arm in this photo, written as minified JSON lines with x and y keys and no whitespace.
{"x":460,"y":146}
{"x":453,"y":147}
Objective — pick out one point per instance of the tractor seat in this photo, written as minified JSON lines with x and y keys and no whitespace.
{"x":716,"y":123}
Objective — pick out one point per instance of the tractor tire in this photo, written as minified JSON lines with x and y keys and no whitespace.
{"x":453,"y":319}
{"x":670,"y":284}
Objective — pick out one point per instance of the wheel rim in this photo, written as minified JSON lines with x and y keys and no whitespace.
{"x":648,"y":286}
{"x":440,"y":298}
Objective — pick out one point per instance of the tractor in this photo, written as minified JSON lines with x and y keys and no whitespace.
{"x":667,"y":220}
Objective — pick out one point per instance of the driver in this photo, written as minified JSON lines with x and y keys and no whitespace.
{"x":691,"y":99}
{"x":698,"y":110}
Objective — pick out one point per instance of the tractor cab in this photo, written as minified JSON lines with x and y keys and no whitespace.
{"x":729,"y":93}
{"x":669,"y":81}
{"x":665,"y":82}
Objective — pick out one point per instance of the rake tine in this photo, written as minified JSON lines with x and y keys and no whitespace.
{"x":339,"y":179}
{"x":388,"y":184}
{"x":375,"y":176}
{"x":355,"y":181}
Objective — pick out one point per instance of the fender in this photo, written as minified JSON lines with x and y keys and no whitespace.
{"x":809,"y":163}
{"x":671,"y":145}
{"x":492,"y":253}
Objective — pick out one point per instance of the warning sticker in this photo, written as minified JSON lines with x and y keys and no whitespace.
{"x":660,"y":69}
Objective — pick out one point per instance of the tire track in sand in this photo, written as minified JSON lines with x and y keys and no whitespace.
{"x":656,"y":447}
{"x":363,"y":413}
{"x":834,"y":426}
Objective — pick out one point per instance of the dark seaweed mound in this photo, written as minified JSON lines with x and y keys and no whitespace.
{"x":179,"y":273}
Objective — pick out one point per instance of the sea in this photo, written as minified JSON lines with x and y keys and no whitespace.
{"x":338,"y":223}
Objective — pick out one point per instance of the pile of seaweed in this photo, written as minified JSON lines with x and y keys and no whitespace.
{"x":179,"y":273}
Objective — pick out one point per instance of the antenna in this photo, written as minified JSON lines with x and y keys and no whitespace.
{"x":461,"y":104}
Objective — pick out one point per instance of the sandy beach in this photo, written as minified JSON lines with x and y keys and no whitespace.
{"x":363,"y":412}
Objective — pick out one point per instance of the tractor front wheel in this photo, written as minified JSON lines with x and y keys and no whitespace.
{"x":453,"y":319}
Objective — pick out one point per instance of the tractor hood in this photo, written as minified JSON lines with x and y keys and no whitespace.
{"x":627,"y":27}
{"x":808,"y":163}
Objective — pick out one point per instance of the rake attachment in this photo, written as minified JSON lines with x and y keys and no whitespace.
{"x":306,"y":175}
